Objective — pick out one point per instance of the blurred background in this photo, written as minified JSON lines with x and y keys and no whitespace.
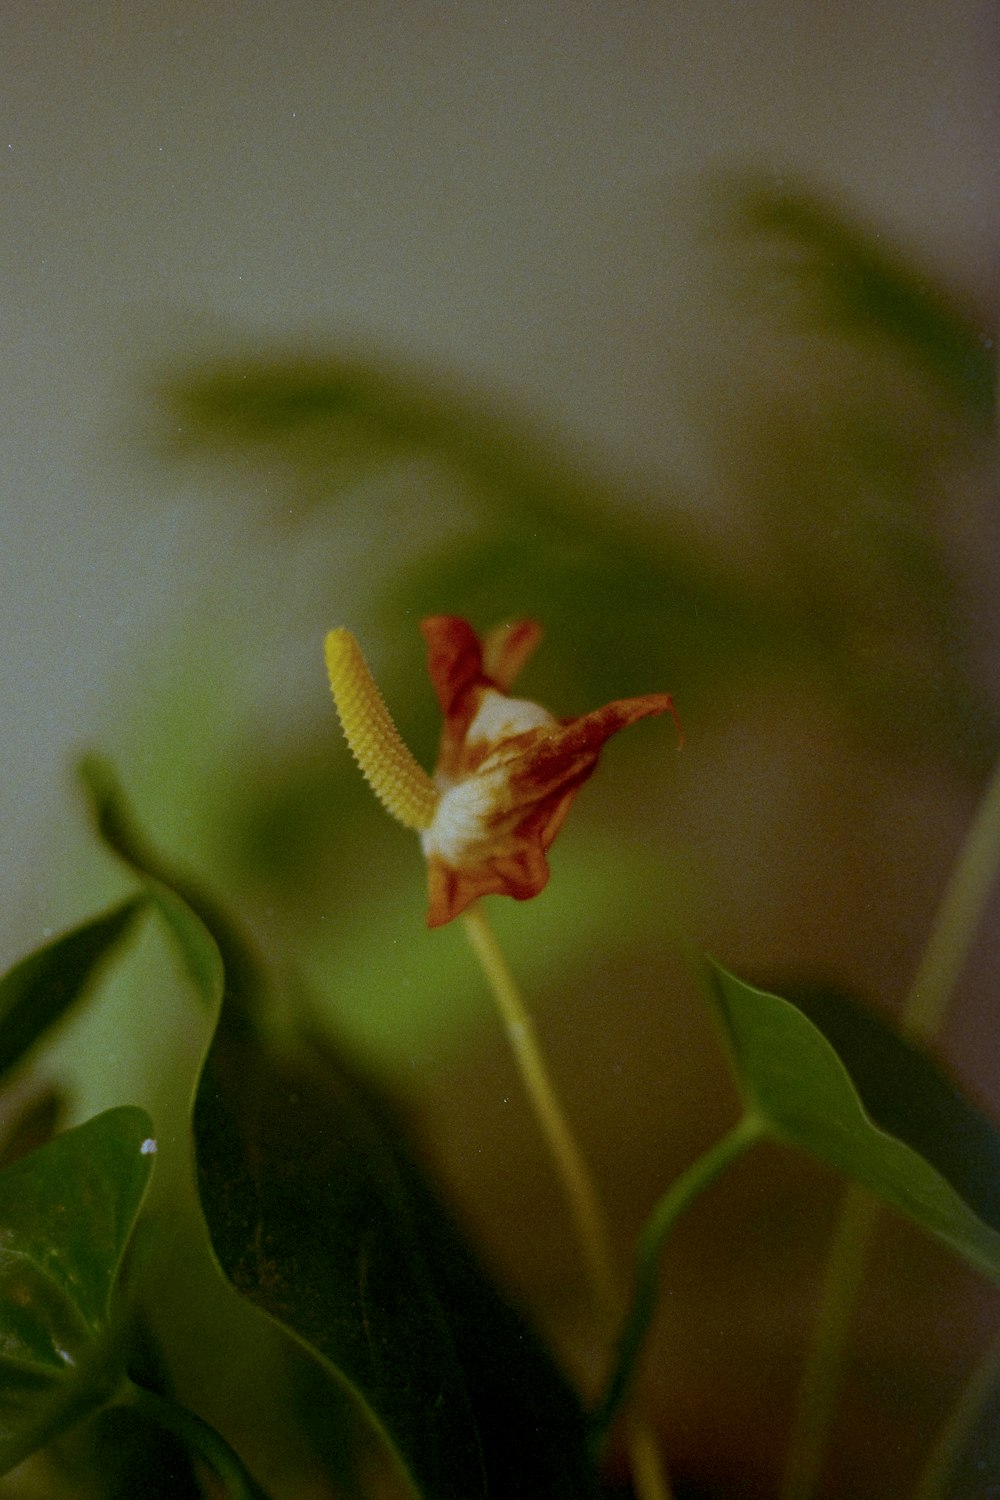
{"x":669,"y":325}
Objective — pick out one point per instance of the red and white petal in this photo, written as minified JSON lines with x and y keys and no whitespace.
{"x":493,"y":826}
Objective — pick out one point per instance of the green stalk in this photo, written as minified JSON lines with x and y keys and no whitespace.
{"x":649,"y":1477}
{"x":958,"y":917}
{"x":821,"y":1378}
{"x":955,"y":1434}
{"x":675,"y":1201}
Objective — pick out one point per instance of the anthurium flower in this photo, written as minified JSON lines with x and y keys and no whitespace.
{"x":507,"y":769}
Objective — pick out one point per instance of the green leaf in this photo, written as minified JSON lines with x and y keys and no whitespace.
{"x":304,"y":1212}
{"x":793,"y":1079}
{"x":319,"y":1216}
{"x":66,"y":1215}
{"x":906,"y":1092}
{"x":44,"y":986}
{"x":127,"y":1452}
{"x":310,"y":1222}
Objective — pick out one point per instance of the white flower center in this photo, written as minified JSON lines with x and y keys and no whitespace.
{"x":460,"y":829}
{"x":500,"y":718}
{"x":459,"y":825}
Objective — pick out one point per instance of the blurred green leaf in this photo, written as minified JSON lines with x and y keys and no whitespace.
{"x":40,"y":989}
{"x":864,"y":287}
{"x":862,"y":600}
{"x":66,"y":1216}
{"x":555,"y":542}
{"x":341,"y":413}
{"x":792,"y":1078}
{"x":211,"y":948}
{"x":851,"y":590}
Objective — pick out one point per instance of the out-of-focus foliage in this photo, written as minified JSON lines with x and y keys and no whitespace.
{"x":855,"y":556}
{"x":860,"y":287}
{"x":39,"y":991}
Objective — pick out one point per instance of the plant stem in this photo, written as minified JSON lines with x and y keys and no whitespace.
{"x":577,"y":1184}
{"x":591,"y":1227}
{"x":947,"y":1448}
{"x":821,"y":1378}
{"x":678,"y":1198}
{"x":944,"y":956}
{"x":202,"y":1439}
{"x":958,"y":916}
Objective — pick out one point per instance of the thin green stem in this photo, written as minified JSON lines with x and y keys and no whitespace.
{"x":944,"y":957}
{"x":957,"y":1430}
{"x":821,"y":1377}
{"x":675,"y":1202}
{"x":649,"y":1479}
{"x":577,"y":1184}
{"x":957,"y":918}
{"x":202,"y":1439}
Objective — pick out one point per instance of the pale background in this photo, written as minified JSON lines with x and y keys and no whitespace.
{"x":501,"y":190}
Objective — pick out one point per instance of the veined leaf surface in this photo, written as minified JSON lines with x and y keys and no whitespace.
{"x":66,"y":1215}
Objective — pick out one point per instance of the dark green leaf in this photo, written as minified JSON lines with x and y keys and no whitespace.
{"x":310,"y":1222}
{"x":32,"y":1125}
{"x":42,"y":988}
{"x":793,"y":1079}
{"x":304,"y":1211}
{"x":66,"y":1215}
{"x":531,"y":1426}
{"x":319,"y":1217}
{"x":130,"y":1453}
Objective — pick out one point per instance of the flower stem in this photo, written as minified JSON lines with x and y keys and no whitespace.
{"x":821,"y":1377}
{"x":942,"y":962}
{"x":581,"y":1196}
{"x":675,"y":1201}
{"x":957,"y":918}
{"x":954,"y":1435}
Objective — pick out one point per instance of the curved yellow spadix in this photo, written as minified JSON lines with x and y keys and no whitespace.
{"x":401,"y":785}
